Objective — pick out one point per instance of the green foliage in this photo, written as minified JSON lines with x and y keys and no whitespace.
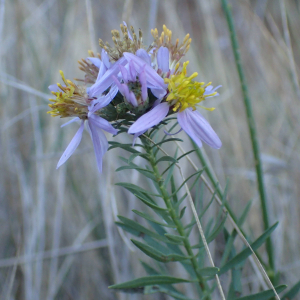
{"x":168,"y":240}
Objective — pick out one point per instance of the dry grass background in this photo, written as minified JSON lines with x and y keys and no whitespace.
{"x":60,"y":224}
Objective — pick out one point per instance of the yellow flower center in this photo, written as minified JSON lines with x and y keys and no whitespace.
{"x":184,"y":92}
{"x":71,"y":101}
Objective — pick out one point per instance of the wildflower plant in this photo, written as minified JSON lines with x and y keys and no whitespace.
{"x":137,"y":90}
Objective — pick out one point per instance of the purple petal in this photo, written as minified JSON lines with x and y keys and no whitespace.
{"x":102,"y":124}
{"x":54,"y":88}
{"x":132,"y":99}
{"x":106,"y":80}
{"x":150,"y":119}
{"x":95,"y":61}
{"x":100,"y":143}
{"x":163,"y":59}
{"x":136,"y":135}
{"x":103,"y":100}
{"x":129,"y":35}
{"x":102,"y":71}
{"x":132,"y":71}
{"x":142,"y":53}
{"x":69,"y":122}
{"x":194,"y":124}
{"x":124,"y":73}
{"x":209,"y":90}
{"x":105,"y":59}
{"x":72,"y":146}
{"x":152,"y":76}
{"x":142,"y":77}
{"x":157,"y":91}
{"x":173,"y":133}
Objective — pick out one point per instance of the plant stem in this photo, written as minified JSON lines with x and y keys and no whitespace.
{"x":252,"y":129}
{"x":174,"y":216}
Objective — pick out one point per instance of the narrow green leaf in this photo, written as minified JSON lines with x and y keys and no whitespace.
{"x":157,"y":255}
{"x":129,"y":229}
{"x":175,"y":295}
{"x":247,"y":252}
{"x":164,"y":288}
{"x":145,"y":172}
{"x":173,"y":189}
{"x":209,"y":271}
{"x":149,"y":218}
{"x":213,"y":235}
{"x":148,"y":280}
{"x":166,"y":158}
{"x":198,"y":173}
{"x":142,"y":230}
{"x":244,"y":214}
{"x":291,"y":294}
{"x":134,"y":155}
{"x":166,"y":141}
{"x":182,"y":212}
{"x":266,"y":295}
{"x":132,"y":188}
{"x":175,"y":238}
{"x":127,"y":147}
{"x":150,"y":204}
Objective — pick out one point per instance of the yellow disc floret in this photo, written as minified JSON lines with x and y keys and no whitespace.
{"x":184,"y":92}
{"x":70,"y":101}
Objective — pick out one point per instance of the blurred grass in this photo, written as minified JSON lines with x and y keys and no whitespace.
{"x":43,"y":209}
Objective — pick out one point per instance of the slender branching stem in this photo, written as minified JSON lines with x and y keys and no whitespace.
{"x":175,"y":218}
{"x":252,"y":129}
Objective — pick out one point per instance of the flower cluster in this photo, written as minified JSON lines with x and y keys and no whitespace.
{"x":132,"y":83}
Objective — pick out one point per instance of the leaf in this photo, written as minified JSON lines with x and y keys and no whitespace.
{"x":166,"y":158}
{"x":266,"y":295}
{"x":149,"y":218}
{"x":175,"y":238}
{"x":247,"y":252}
{"x":145,"y":172}
{"x":134,"y":155}
{"x":182,"y":212}
{"x":150,"y":204}
{"x":157,"y":255}
{"x":213,"y":235}
{"x":166,"y":141}
{"x":198,"y":173}
{"x":142,"y":230}
{"x":292,"y":292}
{"x":127,"y":147}
{"x":148,"y":280}
{"x":129,"y":229}
{"x":132,"y":188}
{"x":209,"y":271}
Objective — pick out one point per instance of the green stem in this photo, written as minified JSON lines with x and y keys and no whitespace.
{"x":252,"y":129}
{"x":174,"y":216}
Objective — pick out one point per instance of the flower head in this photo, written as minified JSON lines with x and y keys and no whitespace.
{"x":184,"y":92}
{"x":176,"y":50}
{"x":71,"y":100}
{"x":95,"y":125}
{"x":126,"y":43}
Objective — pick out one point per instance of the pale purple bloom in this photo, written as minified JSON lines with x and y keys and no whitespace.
{"x":141,"y":63}
{"x":105,"y":79}
{"x":191,"y":121}
{"x":150,"y":119}
{"x":194,"y":124}
{"x":95,"y":124}
{"x":130,"y":75}
{"x":162,"y":58}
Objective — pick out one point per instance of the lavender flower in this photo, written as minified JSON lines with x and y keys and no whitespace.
{"x":184,"y":95}
{"x":74,"y":101}
{"x":95,"y":124}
